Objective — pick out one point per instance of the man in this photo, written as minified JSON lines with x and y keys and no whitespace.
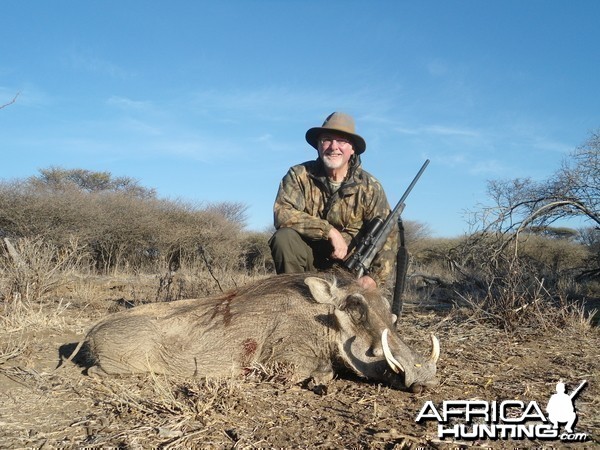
{"x":560,"y":408}
{"x":323,"y":205}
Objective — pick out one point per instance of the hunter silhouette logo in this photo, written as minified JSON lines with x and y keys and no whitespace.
{"x":507,"y":419}
{"x":560,"y":407}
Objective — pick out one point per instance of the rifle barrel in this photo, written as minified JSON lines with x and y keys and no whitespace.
{"x":576,"y":391}
{"x":411,"y":185}
{"x":400,"y":203}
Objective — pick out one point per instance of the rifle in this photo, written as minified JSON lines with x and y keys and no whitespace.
{"x":376,"y":234}
{"x":576,"y":391}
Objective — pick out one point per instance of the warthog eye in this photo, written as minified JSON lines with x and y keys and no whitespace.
{"x":356,"y":307}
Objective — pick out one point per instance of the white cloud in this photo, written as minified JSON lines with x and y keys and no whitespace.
{"x":487,"y":167}
{"x":287,"y":103}
{"x":443,"y":130}
{"x":128,"y":104}
{"x":543,"y":143}
{"x":83,"y":60}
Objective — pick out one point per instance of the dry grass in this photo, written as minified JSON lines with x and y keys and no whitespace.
{"x":12,"y":348}
{"x":481,"y":358}
{"x":19,"y":315}
{"x":265,"y":410}
{"x":37,"y":268}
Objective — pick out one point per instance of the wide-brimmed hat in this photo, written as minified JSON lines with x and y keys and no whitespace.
{"x":340,"y":123}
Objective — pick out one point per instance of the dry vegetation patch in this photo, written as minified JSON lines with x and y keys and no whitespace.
{"x":43,"y":408}
{"x":512,"y":315}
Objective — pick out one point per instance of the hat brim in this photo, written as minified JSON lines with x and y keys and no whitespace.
{"x":312,"y":137}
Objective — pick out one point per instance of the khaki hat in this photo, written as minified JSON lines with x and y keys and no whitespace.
{"x":340,"y":123}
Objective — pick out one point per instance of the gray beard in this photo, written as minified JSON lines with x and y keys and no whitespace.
{"x":332,"y":165}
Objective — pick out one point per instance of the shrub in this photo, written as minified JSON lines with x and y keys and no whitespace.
{"x":121,"y":227}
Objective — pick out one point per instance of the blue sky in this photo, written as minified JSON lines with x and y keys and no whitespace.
{"x":209,"y":101}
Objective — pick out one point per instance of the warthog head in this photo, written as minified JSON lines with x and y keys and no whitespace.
{"x":367,"y":339}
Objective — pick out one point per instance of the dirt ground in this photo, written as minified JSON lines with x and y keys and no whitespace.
{"x":44,"y":408}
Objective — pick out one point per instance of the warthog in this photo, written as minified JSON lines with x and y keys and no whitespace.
{"x":311,"y":323}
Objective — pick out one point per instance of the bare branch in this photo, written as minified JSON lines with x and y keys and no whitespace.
{"x":11,"y":102}
{"x":543,"y":210}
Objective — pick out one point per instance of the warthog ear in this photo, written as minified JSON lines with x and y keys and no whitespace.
{"x":323,"y":291}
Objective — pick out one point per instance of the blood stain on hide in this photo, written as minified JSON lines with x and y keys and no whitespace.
{"x":223,"y":307}
{"x":249,"y":347}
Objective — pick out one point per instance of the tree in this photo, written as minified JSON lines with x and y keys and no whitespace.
{"x":579,"y":176}
{"x":573,"y":190}
{"x":120,"y":224}
{"x":57,"y":178}
{"x":520,"y":257}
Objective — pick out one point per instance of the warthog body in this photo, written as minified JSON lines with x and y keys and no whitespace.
{"x":308,"y":322}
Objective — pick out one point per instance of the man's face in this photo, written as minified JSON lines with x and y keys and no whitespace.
{"x":335,"y":150}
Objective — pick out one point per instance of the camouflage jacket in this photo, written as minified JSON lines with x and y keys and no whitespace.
{"x":306,"y":203}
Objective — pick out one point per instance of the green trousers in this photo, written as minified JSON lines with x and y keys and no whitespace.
{"x":294,"y":254}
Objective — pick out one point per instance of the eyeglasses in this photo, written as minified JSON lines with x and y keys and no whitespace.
{"x":328,"y":140}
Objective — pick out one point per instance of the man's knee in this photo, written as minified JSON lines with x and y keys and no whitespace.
{"x":290,"y":253}
{"x":285,"y":240}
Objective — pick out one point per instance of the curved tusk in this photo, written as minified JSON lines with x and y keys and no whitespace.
{"x":392,"y":362}
{"x":435,"y":351}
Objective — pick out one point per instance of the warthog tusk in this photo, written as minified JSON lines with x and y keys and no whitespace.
{"x":392,"y":362}
{"x":435,"y":351}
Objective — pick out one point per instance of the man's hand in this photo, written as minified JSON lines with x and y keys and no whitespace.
{"x":340,"y":248}
{"x":340,"y":251}
{"x":367,"y":282}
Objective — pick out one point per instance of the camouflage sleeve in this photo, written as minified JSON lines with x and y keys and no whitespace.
{"x":383,"y":263}
{"x":291,"y":208}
